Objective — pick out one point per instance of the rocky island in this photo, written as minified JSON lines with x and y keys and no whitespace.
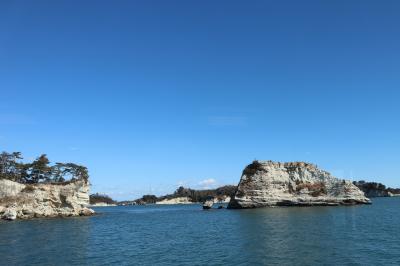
{"x":31,"y":190}
{"x":376,"y":190}
{"x":268,"y":183}
{"x":101,"y":200}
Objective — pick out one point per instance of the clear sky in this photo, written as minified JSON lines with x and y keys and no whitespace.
{"x":153,"y":94}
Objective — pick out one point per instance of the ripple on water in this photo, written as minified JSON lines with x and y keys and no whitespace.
{"x":187,"y":235}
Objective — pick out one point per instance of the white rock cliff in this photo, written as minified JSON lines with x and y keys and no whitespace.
{"x":178,"y":200}
{"x":43,"y":200}
{"x":268,"y":183}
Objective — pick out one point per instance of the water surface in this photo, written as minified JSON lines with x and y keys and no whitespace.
{"x":187,"y":235}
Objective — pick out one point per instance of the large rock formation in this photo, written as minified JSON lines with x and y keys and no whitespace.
{"x":267,"y":183}
{"x":43,"y":200}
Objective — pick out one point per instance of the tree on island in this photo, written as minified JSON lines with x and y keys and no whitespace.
{"x":11,"y":168}
{"x":202,"y":195}
{"x":63,"y":171}
{"x":38,"y":171}
{"x":101,"y":198}
{"x":193,"y":194}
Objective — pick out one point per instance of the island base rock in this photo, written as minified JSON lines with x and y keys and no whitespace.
{"x":24,"y":201}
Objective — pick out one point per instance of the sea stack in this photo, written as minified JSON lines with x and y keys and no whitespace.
{"x":268,"y":184}
{"x":208,"y":204}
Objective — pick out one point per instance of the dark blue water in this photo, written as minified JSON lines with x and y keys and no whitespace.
{"x":187,"y":235}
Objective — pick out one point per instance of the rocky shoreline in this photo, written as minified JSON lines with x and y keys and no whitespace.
{"x":262,"y":184}
{"x":173,"y":201}
{"x":102,"y":204}
{"x":186,"y":196}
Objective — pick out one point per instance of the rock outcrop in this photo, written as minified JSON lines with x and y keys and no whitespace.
{"x":222,"y":199}
{"x":208,"y":204}
{"x":268,"y":183}
{"x":43,"y":200}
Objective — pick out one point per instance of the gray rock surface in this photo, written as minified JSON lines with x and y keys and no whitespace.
{"x":208,"y":204}
{"x":268,"y":183}
{"x":43,"y":200}
{"x":10,"y":214}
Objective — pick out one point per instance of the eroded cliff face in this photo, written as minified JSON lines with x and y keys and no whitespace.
{"x":267,"y":183}
{"x":43,"y":200}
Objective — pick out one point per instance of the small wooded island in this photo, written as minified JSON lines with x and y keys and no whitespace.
{"x":38,"y":189}
{"x":184,"y":195}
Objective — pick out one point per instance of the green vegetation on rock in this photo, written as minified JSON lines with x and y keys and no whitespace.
{"x":193,"y":194}
{"x":39,"y":171}
{"x":101,"y":198}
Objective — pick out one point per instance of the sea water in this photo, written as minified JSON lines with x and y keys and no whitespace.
{"x":187,"y":235}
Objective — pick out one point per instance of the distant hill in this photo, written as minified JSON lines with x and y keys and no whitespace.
{"x":193,"y":195}
{"x":373,"y":189}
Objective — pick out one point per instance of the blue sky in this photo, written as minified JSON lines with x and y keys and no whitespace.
{"x":153,"y":94}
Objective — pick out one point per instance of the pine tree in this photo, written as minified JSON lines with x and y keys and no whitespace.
{"x":40,"y":170}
